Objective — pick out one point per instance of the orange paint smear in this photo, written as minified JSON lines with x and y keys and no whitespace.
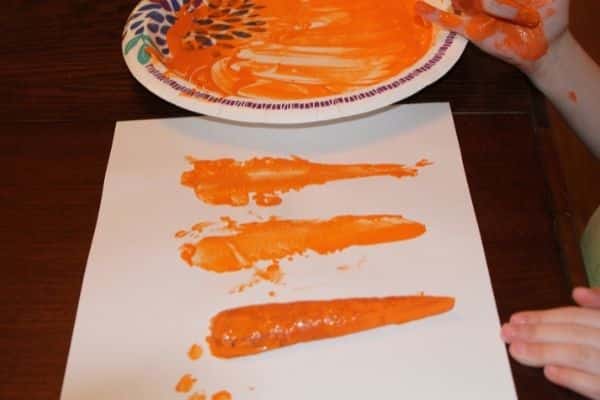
{"x":185,"y":384}
{"x":231,"y":182}
{"x":197,"y":396}
{"x":262,"y":49}
{"x":277,"y":239}
{"x":343,"y":268}
{"x":525,"y":42}
{"x":258,"y":328}
{"x":195,"y":352}
{"x":272,"y":273}
{"x":573,"y":96}
{"x":222,"y":395}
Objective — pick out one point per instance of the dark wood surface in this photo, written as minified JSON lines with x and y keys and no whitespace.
{"x":64,"y":86}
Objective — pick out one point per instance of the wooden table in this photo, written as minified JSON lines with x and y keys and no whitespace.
{"x":64,"y":86}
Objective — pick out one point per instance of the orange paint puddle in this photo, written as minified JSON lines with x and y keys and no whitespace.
{"x":231,"y":182}
{"x":197,"y":396}
{"x":255,"y":329}
{"x":222,"y":395}
{"x":195,"y":352}
{"x":277,"y":239}
{"x":573,"y":96}
{"x":261,"y":49}
{"x":185,"y":384}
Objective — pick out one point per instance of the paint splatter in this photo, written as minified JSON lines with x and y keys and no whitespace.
{"x":272,"y":273}
{"x":222,"y":395}
{"x":195,"y":352}
{"x":573,"y":96}
{"x":260,"y":49}
{"x":197,"y":396}
{"x":343,"y":268}
{"x":231,"y":182}
{"x":185,"y":384}
{"x":277,"y":239}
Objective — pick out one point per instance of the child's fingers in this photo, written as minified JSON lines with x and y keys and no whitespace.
{"x":582,"y":358}
{"x":510,"y":10}
{"x":452,"y":22}
{"x":565,"y":315}
{"x":552,"y":333}
{"x":580,"y":382}
{"x":586,"y":297}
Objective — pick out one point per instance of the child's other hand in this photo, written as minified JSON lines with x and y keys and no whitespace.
{"x":564,"y":341}
{"x":517,"y":31}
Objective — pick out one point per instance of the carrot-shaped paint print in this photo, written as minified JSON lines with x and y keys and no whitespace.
{"x":277,"y":239}
{"x":258,"y":328}
{"x":231,"y":182}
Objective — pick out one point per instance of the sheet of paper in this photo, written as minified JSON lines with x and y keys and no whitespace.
{"x":142,"y":306}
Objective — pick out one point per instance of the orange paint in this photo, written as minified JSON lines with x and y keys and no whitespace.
{"x":185,"y":384}
{"x":271,"y":294}
{"x":271,"y":274}
{"x":200,"y":226}
{"x":257,"y":328}
{"x":231,"y":182}
{"x":181,"y":234}
{"x":260,"y":49}
{"x":195,"y":352}
{"x":573,"y":96}
{"x":277,"y":239}
{"x":222,"y":395}
{"x":197,"y":396}
{"x":527,"y":43}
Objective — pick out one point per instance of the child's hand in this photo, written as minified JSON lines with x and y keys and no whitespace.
{"x":564,"y":341}
{"x":517,"y":31}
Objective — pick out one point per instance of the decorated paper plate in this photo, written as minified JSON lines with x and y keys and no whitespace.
{"x":285,"y":61}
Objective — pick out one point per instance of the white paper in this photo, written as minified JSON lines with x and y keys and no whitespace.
{"x":141,"y":306}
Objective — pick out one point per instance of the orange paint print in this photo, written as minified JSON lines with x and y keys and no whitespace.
{"x":185,"y":384}
{"x":255,"y":329}
{"x":277,"y":239}
{"x":197,"y":396}
{"x":231,"y":182}
{"x":222,"y":395}
{"x":261,"y":49}
{"x":195,"y":352}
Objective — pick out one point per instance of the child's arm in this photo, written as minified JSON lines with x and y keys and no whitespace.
{"x":546,"y":52}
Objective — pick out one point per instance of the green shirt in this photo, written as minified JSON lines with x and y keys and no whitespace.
{"x":590,"y":249}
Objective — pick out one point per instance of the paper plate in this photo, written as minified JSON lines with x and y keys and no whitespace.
{"x":240,"y":27}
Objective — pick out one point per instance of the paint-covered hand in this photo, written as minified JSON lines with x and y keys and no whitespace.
{"x":564,"y":341}
{"x":517,"y":31}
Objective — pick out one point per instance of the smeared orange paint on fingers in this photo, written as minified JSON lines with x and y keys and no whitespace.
{"x":231,"y":182}
{"x":258,"y":328}
{"x":277,"y":239}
